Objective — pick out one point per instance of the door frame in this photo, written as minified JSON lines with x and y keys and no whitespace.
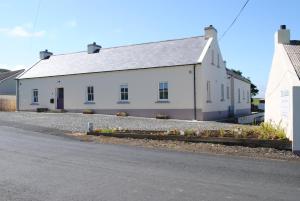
{"x":56,"y":99}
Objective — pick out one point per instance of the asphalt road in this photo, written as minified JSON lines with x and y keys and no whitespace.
{"x":36,"y":166}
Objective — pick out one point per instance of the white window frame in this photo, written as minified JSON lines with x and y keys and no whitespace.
{"x":90,"y":93}
{"x":227,"y":92}
{"x":163,"y":90}
{"x":208,"y":91}
{"x":248,"y":96}
{"x":239,"y":95}
{"x":222,"y":92}
{"x":125,"y":86}
{"x":35,"y":97}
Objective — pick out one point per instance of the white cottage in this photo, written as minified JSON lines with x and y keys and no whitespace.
{"x":183,"y":78}
{"x":283,"y":90}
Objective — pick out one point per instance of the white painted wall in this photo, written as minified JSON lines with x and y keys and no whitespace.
{"x":143,"y":89}
{"x":278,"y":97}
{"x":217,"y":75}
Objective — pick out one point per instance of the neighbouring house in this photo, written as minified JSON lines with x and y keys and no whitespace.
{"x":183,"y":79}
{"x":283,"y":89}
{"x":8,"y":89}
{"x":8,"y":82}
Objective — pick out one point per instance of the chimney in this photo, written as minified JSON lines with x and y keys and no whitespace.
{"x":210,"y":32}
{"x":225,"y":64}
{"x":93,"y":48}
{"x":45,"y":54}
{"x":282,"y":36}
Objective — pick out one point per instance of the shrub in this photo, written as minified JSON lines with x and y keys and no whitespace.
{"x":105,"y":130}
{"x":88,"y":111}
{"x":162,"y":116}
{"x":190,"y":133}
{"x":173,"y":132}
{"x":122,"y":114}
{"x":267,"y":130}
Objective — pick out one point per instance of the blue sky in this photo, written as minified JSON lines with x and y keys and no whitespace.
{"x":68,"y":26}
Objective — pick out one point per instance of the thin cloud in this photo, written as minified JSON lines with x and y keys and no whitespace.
{"x":72,"y":23}
{"x":22,"y":32}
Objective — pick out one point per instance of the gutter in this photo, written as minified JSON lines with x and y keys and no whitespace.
{"x":195,"y":95}
{"x":17,"y":95}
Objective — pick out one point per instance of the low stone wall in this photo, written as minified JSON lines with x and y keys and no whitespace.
{"x":277,"y":144}
{"x":7,"y":103}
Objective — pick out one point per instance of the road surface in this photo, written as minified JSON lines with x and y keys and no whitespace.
{"x":37,"y":166}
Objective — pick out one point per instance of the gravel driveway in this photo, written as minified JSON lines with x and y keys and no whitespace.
{"x":76,"y":122}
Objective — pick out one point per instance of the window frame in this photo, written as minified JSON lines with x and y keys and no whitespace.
{"x":228,"y":92}
{"x":88,"y":93}
{"x":35,"y":98}
{"x":163,"y":91}
{"x":121,"y":93}
{"x":222,"y":92}
{"x":208,"y":91}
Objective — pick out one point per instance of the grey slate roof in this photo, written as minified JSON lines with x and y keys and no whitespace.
{"x":237,"y":76}
{"x":293,"y":52}
{"x":4,"y":76}
{"x":146,"y":55}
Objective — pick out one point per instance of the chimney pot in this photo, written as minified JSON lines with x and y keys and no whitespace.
{"x":45,"y":54}
{"x":93,"y":48}
{"x":283,"y":26}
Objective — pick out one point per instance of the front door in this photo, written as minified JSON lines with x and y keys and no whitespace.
{"x":60,"y":98}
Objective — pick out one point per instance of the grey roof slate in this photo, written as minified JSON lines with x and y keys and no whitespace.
{"x":4,"y":76}
{"x":293,"y":52}
{"x":237,"y":76}
{"x":146,"y":55}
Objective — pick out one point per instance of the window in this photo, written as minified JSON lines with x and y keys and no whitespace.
{"x":212,"y":57}
{"x":35,"y":95}
{"x":239,"y":95}
{"x":208,"y":92}
{"x":163,"y":91}
{"x":248,"y":97}
{"x":227,"y":92}
{"x":124,"y":92}
{"x":90,"y":94}
{"x":218,"y":61}
{"x":243,"y":94}
{"x":222,"y":92}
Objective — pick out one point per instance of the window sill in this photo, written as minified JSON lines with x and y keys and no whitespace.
{"x":123,"y":102}
{"x":163,"y":101}
{"x":89,"y":103}
{"x":34,"y":104}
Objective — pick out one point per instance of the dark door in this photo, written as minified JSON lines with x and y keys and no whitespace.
{"x":60,"y":98}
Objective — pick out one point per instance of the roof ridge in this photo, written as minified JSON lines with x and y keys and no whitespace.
{"x":120,"y":46}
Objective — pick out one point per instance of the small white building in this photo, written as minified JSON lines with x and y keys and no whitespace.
{"x":283,"y":90}
{"x":183,"y":78}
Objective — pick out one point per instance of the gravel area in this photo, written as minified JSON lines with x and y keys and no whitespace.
{"x":76,"y":122}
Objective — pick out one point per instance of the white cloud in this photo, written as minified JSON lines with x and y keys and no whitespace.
{"x":22,"y":31}
{"x":72,"y":23}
